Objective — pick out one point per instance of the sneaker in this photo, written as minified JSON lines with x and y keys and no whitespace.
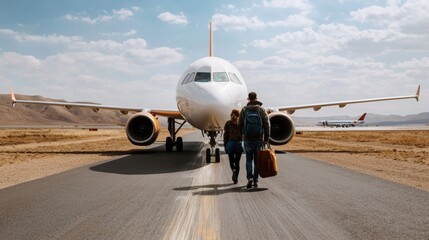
{"x":255,"y":183}
{"x":249,"y":183}
{"x":234,"y":176}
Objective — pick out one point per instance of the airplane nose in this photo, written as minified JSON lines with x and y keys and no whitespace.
{"x":216,"y":103}
{"x":214,"y":96}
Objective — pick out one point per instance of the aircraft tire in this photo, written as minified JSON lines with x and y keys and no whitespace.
{"x":217,"y":155}
{"x":179,"y":144}
{"x":169,"y":144}
{"x":208,"y":156}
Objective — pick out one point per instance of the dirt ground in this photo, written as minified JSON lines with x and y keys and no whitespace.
{"x":399,"y":156}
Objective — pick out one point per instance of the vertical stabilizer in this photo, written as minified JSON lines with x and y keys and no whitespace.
{"x":362,"y":118}
{"x":211,"y":41}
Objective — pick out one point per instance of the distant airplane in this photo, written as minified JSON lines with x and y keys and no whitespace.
{"x":343,"y":123}
{"x":206,"y":94}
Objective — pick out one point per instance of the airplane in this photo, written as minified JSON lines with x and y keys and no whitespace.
{"x":343,"y":123}
{"x":206,"y":93}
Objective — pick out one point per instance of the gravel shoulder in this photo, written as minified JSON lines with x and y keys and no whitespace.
{"x":401,"y":156}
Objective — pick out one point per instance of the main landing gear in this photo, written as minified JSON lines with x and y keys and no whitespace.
{"x":212,"y":151}
{"x":171,"y":141}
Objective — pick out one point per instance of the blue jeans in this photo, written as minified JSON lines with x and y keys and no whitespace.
{"x":251,"y":148}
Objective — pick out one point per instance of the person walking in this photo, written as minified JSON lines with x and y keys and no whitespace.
{"x":255,"y":129}
{"x":233,"y":144}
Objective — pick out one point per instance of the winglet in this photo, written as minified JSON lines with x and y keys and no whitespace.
{"x":418,"y":93}
{"x":13,"y":98}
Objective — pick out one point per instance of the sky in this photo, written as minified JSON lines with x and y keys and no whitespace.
{"x":291,"y":52}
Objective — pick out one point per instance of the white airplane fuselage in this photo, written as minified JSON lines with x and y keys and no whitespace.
{"x":208,"y":91}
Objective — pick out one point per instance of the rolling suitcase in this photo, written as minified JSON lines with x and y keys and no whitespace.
{"x":267,"y":162}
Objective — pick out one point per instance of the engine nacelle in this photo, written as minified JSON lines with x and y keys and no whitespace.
{"x":282,"y":128}
{"x":142,"y":129}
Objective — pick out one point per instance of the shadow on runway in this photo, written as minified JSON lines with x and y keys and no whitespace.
{"x":102,"y":153}
{"x":218,"y":189}
{"x":155,"y":161}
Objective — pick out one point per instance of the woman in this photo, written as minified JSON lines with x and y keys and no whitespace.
{"x":233,"y":143}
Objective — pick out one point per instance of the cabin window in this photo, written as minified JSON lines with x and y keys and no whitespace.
{"x":234,"y":78}
{"x":202,"y":77}
{"x":220,"y":77}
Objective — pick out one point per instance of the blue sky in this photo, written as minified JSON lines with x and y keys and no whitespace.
{"x":132,"y":53}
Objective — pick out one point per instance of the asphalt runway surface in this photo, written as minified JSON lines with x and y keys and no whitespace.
{"x":157,"y":195}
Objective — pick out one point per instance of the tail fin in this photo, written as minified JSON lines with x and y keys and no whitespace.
{"x":362,"y":117}
{"x":211,"y":41}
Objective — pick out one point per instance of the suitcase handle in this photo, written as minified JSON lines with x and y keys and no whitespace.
{"x":266,"y":146}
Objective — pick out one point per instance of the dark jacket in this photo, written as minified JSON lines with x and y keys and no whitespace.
{"x":265,"y":121}
{"x":232,"y":138}
{"x":231,"y":132}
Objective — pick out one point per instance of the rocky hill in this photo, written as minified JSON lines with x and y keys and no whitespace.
{"x":28,"y":114}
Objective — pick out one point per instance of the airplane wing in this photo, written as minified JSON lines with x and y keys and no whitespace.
{"x":96,"y":107}
{"x":341,"y":104}
{"x":167,"y":113}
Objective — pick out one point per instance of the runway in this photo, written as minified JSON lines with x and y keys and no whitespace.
{"x":159,"y":195}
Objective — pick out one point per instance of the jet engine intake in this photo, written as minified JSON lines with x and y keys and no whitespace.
{"x":282,"y":128}
{"x":142,"y":129}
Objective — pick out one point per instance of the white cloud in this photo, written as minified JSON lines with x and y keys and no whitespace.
{"x":119,"y":14}
{"x":305,"y":39}
{"x":303,"y":5}
{"x":125,"y":34}
{"x":232,"y":22}
{"x":293,"y":21}
{"x":172,"y":18}
{"x":94,"y":69}
{"x":16,"y":60}
{"x":53,"y":38}
{"x":132,"y":51}
{"x":414,"y":64}
{"x":242,"y":51}
{"x":346,"y":40}
{"x":123,"y":14}
{"x":236,"y":22}
{"x":411,"y":17}
{"x":229,"y":6}
{"x":90,"y":67}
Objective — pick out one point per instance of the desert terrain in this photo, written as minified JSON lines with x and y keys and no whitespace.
{"x":399,"y":156}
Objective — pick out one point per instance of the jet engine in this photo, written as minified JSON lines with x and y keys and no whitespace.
{"x":142,"y":129}
{"x":282,"y":128}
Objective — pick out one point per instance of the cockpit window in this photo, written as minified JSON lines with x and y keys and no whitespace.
{"x":185,"y":79}
{"x":220,"y":77}
{"x":234,"y":78}
{"x":190,"y":78}
{"x":202,"y":77}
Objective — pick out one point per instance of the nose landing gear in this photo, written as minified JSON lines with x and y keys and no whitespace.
{"x":213,"y":151}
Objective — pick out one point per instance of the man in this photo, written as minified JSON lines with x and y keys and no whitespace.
{"x":255,"y":128}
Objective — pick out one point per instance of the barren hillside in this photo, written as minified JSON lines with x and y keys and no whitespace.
{"x":27,"y":114}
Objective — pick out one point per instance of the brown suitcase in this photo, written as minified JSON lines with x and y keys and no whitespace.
{"x":267,"y":163}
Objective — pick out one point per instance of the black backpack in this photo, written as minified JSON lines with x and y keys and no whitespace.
{"x":252,"y":123}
